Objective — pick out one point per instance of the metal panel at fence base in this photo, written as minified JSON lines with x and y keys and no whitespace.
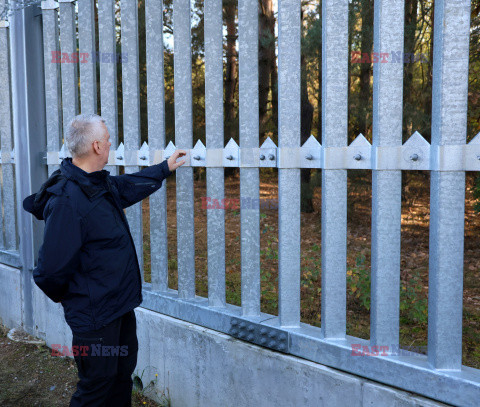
{"x":390,"y":365}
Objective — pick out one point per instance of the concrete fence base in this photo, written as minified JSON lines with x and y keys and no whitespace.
{"x":197,"y":366}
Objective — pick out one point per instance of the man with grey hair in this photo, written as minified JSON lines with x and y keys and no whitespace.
{"x":88,"y":260}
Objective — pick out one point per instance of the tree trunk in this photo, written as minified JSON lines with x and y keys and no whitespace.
{"x":266,"y":43}
{"x":365,"y":66}
{"x":230,"y":128}
{"x":319,"y":97}
{"x":274,"y":79}
{"x":231,"y":69}
{"x":306,"y":197}
{"x":428,"y":100}
{"x":411,"y":7}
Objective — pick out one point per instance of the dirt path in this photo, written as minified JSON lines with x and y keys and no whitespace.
{"x":31,"y":376}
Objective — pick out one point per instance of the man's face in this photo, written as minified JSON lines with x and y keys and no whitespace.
{"x":105,"y":145}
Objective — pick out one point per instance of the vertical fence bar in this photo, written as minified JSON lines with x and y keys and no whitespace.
{"x":68,"y":39}
{"x":183,"y":140}
{"x":5,"y":106}
{"x":289,"y":35}
{"x":107,"y":47}
{"x":249,"y":134}
{"x":214,"y":138}
{"x":86,"y":46}
{"x":334,"y":182}
{"x":28,"y":51}
{"x":52,"y":77}
{"x":386,"y":185}
{"x":156,"y":141}
{"x":447,"y":188}
{"x":8,"y":182}
{"x":131,"y":112}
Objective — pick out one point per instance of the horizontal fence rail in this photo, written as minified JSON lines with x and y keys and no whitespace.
{"x":415,"y":154}
{"x":439,"y":374}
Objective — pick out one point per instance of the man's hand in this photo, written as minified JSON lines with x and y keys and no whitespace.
{"x":172,"y":165}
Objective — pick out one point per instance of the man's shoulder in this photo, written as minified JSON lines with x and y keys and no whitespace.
{"x":72,"y":196}
{"x":56,"y":201}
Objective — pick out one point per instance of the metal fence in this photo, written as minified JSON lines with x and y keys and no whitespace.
{"x":440,"y":375}
{"x":8,"y":236}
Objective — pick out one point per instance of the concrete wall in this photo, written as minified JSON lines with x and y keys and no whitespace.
{"x":10,"y":296}
{"x":197,"y":366}
{"x":202,"y":367}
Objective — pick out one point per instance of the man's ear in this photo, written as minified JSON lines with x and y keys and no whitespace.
{"x":96,"y":147}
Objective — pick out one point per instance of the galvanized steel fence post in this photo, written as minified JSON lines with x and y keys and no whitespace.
{"x":386,"y":184}
{"x":183,"y":140}
{"x":37,"y":108}
{"x":214,"y":140}
{"x":334,"y":181}
{"x":157,"y":141}
{"x":447,"y":188}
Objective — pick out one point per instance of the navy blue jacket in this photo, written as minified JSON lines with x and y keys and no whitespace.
{"x":88,"y":260}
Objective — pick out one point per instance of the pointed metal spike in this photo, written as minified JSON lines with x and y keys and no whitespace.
{"x":120,"y":155}
{"x":169,"y":150}
{"x":416,"y":139}
{"x":231,"y":144}
{"x":143,"y":154}
{"x":61,"y":153}
{"x":360,"y":141}
{"x":170,"y":146}
{"x":199,"y":145}
{"x":268,"y":143}
{"x":475,"y":140}
{"x":311,"y":142}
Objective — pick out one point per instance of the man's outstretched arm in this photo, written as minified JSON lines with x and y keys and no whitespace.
{"x":135,"y":187}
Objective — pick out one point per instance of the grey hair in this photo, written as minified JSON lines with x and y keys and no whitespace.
{"x":82,"y":131}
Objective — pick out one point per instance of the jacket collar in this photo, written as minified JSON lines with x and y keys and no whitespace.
{"x":92,"y":184}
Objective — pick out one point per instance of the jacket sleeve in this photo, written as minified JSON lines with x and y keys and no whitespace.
{"x":58,"y":257}
{"x":137,"y":186}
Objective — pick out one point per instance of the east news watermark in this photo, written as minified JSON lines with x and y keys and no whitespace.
{"x":87,"y":350}
{"x":209,"y":202}
{"x":386,"y":350}
{"x":59,"y":57}
{"x":395,"y":57}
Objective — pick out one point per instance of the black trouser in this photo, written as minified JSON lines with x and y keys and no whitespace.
{"x":106,"y":360}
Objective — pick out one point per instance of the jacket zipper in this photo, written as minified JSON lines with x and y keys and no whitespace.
{"x":145,"y":183}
